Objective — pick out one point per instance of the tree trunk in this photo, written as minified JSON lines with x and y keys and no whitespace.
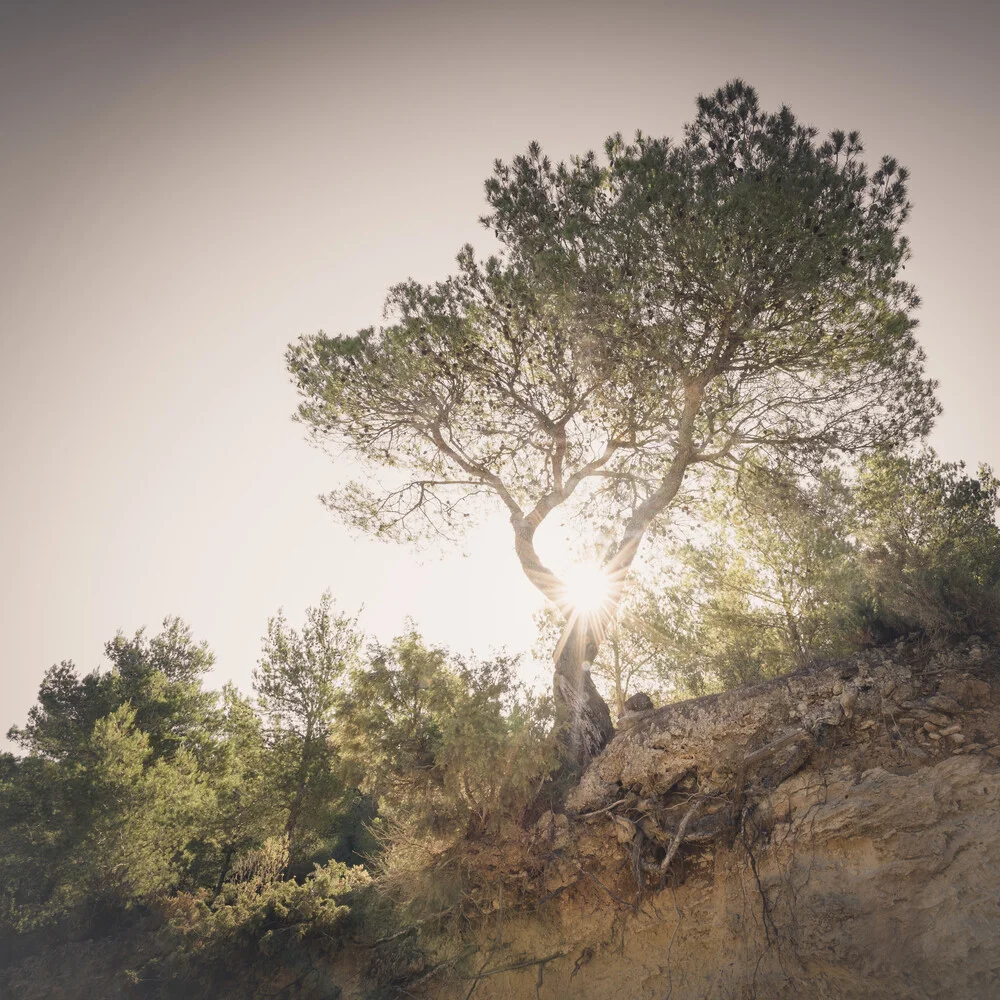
{"x":583,"y":713}
{"x":226,"y":862}
{"x":301,"y":781}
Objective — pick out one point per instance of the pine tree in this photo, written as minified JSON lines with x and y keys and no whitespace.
{"x":671,"y":309}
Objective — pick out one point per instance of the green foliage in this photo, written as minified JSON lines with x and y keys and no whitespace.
{"x":159,"y":677}
{"x":788,"y":568}
{"x":774,"y":574}
{"x":140,"y":790}
{"x":299,"y":673}
{"x":451,"y":751}
{"x":110,"y":827}
{"x":748,"y":253}
{"x":67,"y":708}
{"x":34,"y":790}
{"x":260,"y":933}
{"x":142,"y":816}
{"x":241,"y":772}
{"x":173,"y":873}
{"x":672,"y":308}
{"x":759,"y":589}
{"x":449,"y":745}
{"x":297,"y":683}
{"x":108,"y":806}
{"x":390,"y":719}
{"x":930,"y":545}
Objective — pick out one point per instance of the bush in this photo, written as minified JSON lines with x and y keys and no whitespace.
{"x":450,"y":751}
{"x":260,"y":933}
{"x":929,"y":546}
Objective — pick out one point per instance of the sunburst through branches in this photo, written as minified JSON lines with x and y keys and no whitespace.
{"x":588,"y":591}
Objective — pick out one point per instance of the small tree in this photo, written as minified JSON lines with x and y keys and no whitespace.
{"x":242,"y":773}
{"x":450,"y":750}
{"x":677,"y":307}
{"x":433,"y":737}
{"x":102,"y":828}
{"x":160,"y":677}
{"x":775,"y":574}
{"x":930,"y":545}
{"x":296,"y":682}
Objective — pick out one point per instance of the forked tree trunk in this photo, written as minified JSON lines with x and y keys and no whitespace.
{"x":584,"y":713}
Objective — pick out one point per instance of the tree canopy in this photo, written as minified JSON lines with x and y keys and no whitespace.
{"x":781,"y":570}
{"x":673,"y":307}
{"x":218,"y":864}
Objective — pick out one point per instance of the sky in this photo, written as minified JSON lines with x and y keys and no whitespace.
{"x":187,"y":187}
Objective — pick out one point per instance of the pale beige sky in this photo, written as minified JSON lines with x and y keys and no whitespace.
{"x":187,"y":187}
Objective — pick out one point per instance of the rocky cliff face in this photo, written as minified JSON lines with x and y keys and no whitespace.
{"x":834,"y":834}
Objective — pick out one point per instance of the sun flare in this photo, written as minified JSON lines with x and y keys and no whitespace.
{"x":588,"y":588}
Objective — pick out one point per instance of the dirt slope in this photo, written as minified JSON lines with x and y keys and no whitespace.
{"x":839,"y":837}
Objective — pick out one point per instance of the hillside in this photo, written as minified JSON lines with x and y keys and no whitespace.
{"x":840,"y":839}
{"x":831,"y":833}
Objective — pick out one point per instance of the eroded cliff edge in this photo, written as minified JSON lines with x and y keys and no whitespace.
{"x":834,"y":833}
